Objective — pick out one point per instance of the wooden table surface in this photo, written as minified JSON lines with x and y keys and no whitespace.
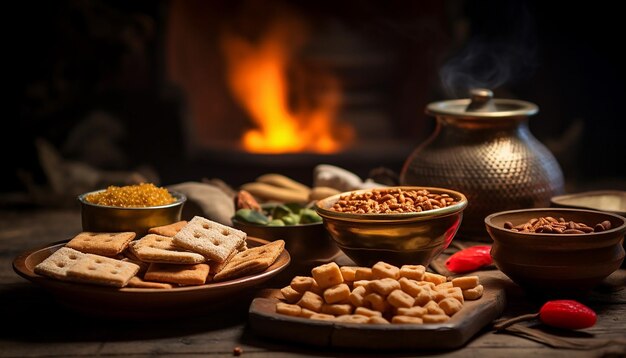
{"x":37,"y":326}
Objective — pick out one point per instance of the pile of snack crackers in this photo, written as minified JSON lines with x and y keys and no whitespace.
{"x":179,"y":254}
{"x":381,"y":294}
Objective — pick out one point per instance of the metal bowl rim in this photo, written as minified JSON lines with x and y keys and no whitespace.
{"x":244,"y":223}
{"x":395,"y":217}
{"x":180,"y":199}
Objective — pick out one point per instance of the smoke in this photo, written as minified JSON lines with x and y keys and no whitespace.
{"x":499,"y":52}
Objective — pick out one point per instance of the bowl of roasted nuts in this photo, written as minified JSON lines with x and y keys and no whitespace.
{"x":402,"y":225}
{"x":557,"y":251}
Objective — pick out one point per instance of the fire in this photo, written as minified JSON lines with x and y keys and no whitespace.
{"x":258,"y":77}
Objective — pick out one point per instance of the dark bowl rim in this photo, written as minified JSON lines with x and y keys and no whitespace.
{"x":180,"y":199}
{"x":617,"y":229}
{"x":395,"y":217}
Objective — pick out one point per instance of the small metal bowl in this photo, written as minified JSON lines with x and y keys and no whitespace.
{"x":611,"y":201}
{"x":556,"y":264}
{"x":308,"y":244}
{"x":402,"y":238}
{"x":100,"y":218}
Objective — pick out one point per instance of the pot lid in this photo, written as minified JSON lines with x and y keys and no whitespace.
{"x":481,"y":104}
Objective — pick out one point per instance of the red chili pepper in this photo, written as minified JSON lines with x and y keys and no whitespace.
{"x":470,"y":259}
{"x":568,"y":314}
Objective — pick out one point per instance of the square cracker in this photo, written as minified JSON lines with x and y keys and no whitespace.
{"x":159,"y":248}
{"x":230,"y":272}
{"x":137,"y":282}
{"x":251,"y":261}
{"x":266,"y":254}
{"x":57,"y":264}
{"x":181,"y":274}
{"x":102,"y":270}
{"x":219,"y":266}
{"x":209,"y":238}
{"x":168,"y":230}
{"x":101,"y":243}
{"x":143,"y":266}
{"x":129,"y":256}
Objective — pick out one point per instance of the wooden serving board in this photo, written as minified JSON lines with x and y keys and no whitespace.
{"x":455,"y":333}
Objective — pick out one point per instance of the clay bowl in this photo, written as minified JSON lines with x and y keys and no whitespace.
{"x":101,"y":218}
{"x":557,"y":264}
{"x":401,"y":238}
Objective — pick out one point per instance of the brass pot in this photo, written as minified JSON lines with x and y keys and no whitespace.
{"x":483,"y":148}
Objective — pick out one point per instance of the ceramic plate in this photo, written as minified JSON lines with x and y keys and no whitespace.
{"x":612,"y":201}
{"x":145,"y":302}
{"x":475,"y":315}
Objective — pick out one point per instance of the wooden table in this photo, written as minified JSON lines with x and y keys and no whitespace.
{"x":37,"y":326}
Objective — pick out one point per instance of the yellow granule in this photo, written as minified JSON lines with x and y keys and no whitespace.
{"x":132,"y":196}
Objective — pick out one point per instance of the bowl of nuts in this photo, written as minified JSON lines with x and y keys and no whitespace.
{"x":402,"y":225}
{"x":557,"y":251}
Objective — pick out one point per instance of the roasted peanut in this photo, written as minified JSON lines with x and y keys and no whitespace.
{"x":605,"y":225}
{"x":550,"y":225}
{"x":392,"y":200}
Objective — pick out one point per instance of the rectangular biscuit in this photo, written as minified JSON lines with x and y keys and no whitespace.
{"x":128,"y":253}
{"x":159,"y":248}
{"x":211,"y":239}
{"x":251,"y":261}
{"x":143,"y":266}
{"x":129,"y":256}
{"x":168,"y":230}
{"x":137,"y":282}
{"x":101,"y":243}
{"x":101,"y":270}
{"x":230,"y":272}
{"x":216,"y":267}
{"x":57,"y":264}
{"x":195,"y":274}
{"x":266,"y":254}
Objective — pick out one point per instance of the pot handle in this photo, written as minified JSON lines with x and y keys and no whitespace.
{"x":481,"y":101}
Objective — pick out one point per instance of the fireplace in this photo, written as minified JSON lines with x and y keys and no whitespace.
{"x":284,"y":86}
{"x":125,"y":84}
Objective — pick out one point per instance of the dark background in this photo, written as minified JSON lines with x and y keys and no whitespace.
{"x":76,"y":58}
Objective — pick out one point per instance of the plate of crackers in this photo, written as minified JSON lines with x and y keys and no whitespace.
{"x":187,"y":267}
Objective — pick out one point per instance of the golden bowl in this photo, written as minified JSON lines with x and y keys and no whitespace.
{"x":100,"y":218}
{"x":397,"y":238}
{"x":556,"y":264}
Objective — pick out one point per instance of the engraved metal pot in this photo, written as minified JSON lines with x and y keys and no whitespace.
{"x":483,"y":148}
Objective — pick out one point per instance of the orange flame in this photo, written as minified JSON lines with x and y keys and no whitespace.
{"x":257,"y":77}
